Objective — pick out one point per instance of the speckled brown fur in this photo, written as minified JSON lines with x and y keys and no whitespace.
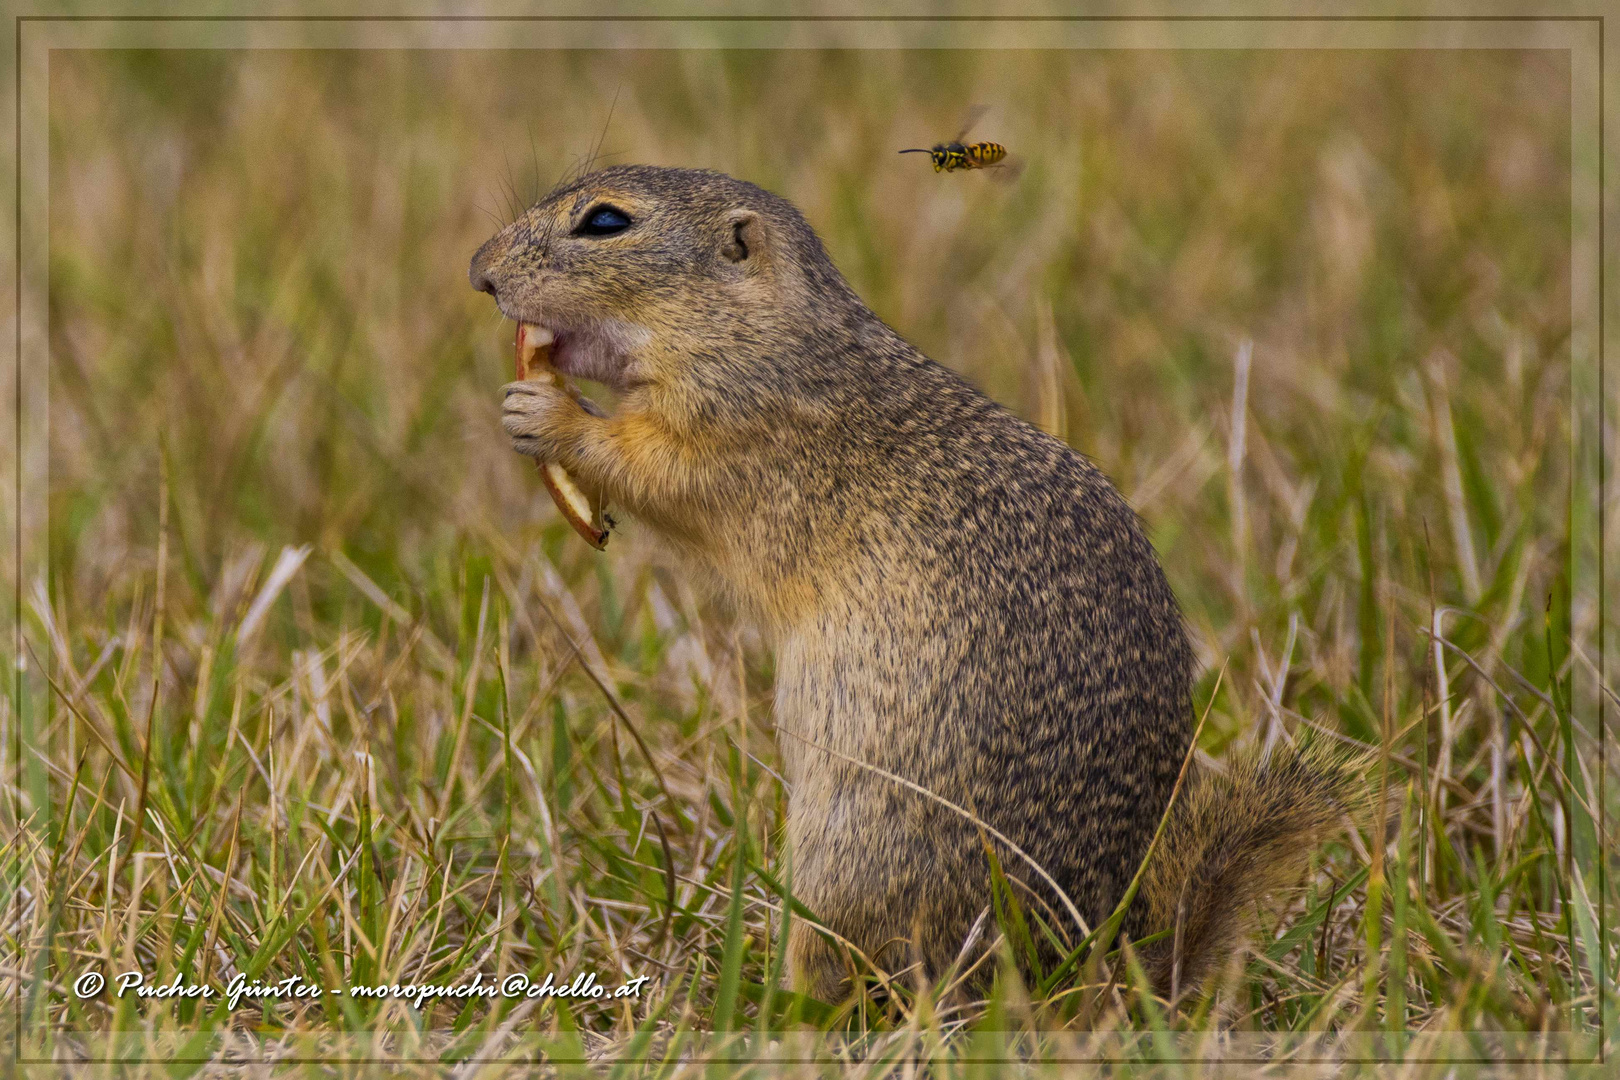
{"x":954,"y":596}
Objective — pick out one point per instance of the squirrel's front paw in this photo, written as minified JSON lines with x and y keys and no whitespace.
{"x":540,"y":418}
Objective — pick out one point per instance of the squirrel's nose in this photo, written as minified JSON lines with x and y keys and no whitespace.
{"x":481,"y":272}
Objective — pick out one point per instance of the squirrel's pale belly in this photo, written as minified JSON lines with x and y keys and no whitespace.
{"x":859,"y":685}
{"x":854,"y":858}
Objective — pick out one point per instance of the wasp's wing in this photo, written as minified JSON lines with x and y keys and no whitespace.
{"x":974,"y":115}
{"x":1006,"y":170}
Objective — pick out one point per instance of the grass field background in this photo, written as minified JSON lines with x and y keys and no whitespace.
{"x":1310,"y":310}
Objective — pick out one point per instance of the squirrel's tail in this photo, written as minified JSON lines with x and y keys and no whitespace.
{"x":1232,"y":839}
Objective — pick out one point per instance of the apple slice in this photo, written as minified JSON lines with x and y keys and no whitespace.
{"x":577,"y":508}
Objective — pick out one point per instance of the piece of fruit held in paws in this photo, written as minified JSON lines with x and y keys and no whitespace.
{"x":580,"y":510}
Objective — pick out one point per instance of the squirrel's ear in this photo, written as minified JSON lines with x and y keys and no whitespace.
{"x":744,"y":240}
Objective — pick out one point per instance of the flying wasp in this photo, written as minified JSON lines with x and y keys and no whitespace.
{"x":956,"y":154}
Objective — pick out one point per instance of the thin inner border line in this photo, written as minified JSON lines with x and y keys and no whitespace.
{"x":17,"y":631}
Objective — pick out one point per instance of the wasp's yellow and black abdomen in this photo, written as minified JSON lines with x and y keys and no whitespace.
{"x":984,"y":153}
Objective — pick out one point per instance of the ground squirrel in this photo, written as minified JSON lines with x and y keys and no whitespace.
{"x":954,"y":597}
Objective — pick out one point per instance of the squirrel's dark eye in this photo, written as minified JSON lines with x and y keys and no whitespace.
{"x":603,"y":221}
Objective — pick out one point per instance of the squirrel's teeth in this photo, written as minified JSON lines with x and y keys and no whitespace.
{"x":530,"y":340}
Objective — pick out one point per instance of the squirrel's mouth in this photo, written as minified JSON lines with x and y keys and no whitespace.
{"x":536,"y":355}
{"x":598,"y":352}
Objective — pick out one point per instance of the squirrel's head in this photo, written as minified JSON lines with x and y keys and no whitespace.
{"x":641,"y":273}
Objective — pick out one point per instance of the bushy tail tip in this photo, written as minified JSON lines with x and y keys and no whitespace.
{"x":1234,"y":838}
